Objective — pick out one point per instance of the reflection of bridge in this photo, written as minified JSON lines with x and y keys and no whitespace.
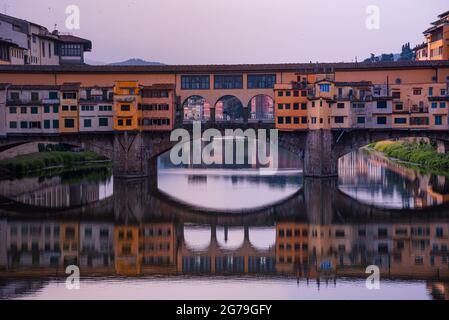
{"x":134,"y":153}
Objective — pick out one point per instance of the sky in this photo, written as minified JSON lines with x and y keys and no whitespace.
{"x":236,"y":31}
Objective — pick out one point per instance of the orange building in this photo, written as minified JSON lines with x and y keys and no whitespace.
{"x":126,"y":106}
{"x":158,"y":105}
{"x":291,"y":105}
{"x":69,"y":112}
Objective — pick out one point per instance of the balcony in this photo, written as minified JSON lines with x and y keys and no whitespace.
{"x":419,"y":109}
{"x":124,"y":98}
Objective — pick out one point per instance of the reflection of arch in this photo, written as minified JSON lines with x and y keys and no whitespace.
{"x":262,"y":238}
{"x":196,"y":108}
{"x":197,"y":238}
{"x":261,"y":108}
{"x":230,"y":238}
{"x":229,"y":108}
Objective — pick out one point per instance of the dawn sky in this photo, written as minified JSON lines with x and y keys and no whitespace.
{"x":235,"y":31}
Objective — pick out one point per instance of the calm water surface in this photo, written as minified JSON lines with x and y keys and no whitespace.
{"x":228,"y":233}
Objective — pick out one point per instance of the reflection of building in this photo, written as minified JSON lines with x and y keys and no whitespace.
{"x":70,"y":241}
{"x":196,"y":108}
{"x":126,"y":239}
{"x":3,"y":244}
{"x":97,"y":245}
{"x":157,"y":247}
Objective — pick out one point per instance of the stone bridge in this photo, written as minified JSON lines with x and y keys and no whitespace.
{"x":134,"y":154}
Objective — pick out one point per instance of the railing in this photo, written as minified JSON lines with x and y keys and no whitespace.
{"x":418,"y":109}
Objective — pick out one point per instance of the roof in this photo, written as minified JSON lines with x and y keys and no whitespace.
{"x":420,"y":46}
{"x":8,"y":42}
{"x":247,"y":68}
{"x":444,"y":14}
{"x":68,"y":86}
{"x":65,"y":38}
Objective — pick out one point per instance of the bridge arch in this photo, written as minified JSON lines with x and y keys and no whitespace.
{"x":196,"y":107}
{"x":229,"y":108}
{"x":261,"y":108}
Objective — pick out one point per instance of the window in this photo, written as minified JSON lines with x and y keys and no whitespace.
{"x":288,"y":93}
{"x":46,"y":108}
{"x":69,"y":123}
{"x":73,"y":108}
{"x":125,"y":107}
{"x":87,"y":108}
{"x":70,"y":50}
{"x":340,"y":105}
{"x":103,"y":122}
{"x":360,"y":120}
{"x":288,"y":120}
{"x":195,"y":82}
{"x":13,"y":124}
{"x":280,"y":106}
{"x":280,"y":93}
{"x":12,"y":110}
{"x":296,"y":120}
{"x":438,"y":120}
{"x":430,"y":91}
{"x":303,"y":106}
{"x":34,"y":96}
{"x":129,"y":122}
{"x":303,"y":120}
{"x":313,"y":120}
{"x":33,"y":110}
{"x":381,"y":120}
{"x":46,"y":124}
{"x":296,"y":106}
{"x":325,"y":87}
{"x":228,"y":82}
{"x":434,"y":105}
{"x":339,"y":120}
{"x":105,"y":108}
{"x":14,"y":96}
{"x":120,"y":122}
{"x":287,"y":106}
{"x":296,"y":93}
{"x":381,"y":104}
{"x":23,"y":124}
{"x":399,"y":107}
{"x":23,"y":109}
{"x":69,"y":95}
{"x":56,"y":108}
{"x":442,"y":105}
{"x":261,"y":81}
{"x":280,"y":120}
{"x":419,"y":120}
{"x":417,"y":92}
{"x":396,"y":95}
{"x":55,"y":124}
{"x":87,"y":123}
{"x":400,"y":120}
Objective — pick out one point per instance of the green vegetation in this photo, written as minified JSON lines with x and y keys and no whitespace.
{"x":46,"y":159}
{"x":418,"y":153}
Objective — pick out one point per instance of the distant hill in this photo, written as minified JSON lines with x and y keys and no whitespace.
{"x":136,"y":62}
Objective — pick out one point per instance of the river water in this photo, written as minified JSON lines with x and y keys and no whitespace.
{"x":228,"y":233}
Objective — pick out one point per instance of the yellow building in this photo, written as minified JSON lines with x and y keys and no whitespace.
{"x":69,"y":108}
{"x":126,"y":106}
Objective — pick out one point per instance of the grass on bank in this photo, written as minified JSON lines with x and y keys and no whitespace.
{"x":420,"y":153}
{"x":47,"y":159}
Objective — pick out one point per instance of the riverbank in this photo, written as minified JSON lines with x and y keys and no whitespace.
{"x":48,"y":160}
{"x":420,"y":155}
